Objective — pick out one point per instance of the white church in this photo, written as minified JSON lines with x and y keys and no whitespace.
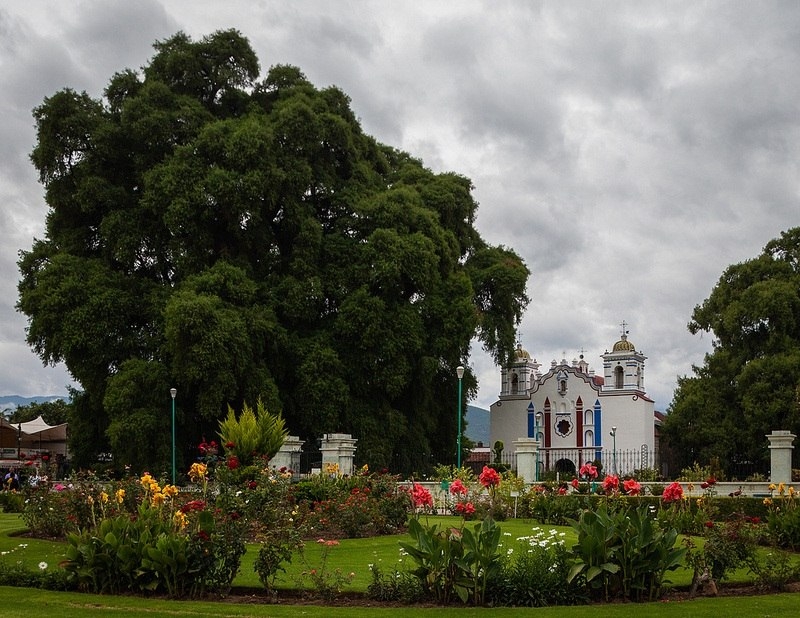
{"x":577,"y":416}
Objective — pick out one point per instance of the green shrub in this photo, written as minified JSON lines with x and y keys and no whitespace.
{"x":179,"y":549}
{"x":624,"y":553}
{"x":395,"y":585}
{"x":11,"y":501}
{"x":455,"y":563}
{"x":46,"y":579}
{"x":534,"y":573}
{"x":783,"y":520}
{"x":727,"y":546}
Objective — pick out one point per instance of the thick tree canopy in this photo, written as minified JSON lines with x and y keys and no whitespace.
{"x":244,"y":240}
{"x":749,"y":384}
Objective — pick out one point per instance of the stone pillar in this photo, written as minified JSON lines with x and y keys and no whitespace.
{"x":780,"y":446}
{"x":526,"y":451}
{"x":289,"y":455}
{"x":339,"y":448}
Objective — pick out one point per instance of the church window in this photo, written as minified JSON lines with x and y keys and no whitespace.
{"x":563,"y":427}
{"x":514,"y":384}
{"x":619,"y":377}
{"x":588,"y":438}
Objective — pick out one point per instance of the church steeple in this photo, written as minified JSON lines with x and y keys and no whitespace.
{"x":518,"y":377}
{"x":624,"y":365}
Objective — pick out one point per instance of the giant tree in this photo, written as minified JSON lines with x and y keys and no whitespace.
{"x":749,"y":384}
{"x":243,"y":240}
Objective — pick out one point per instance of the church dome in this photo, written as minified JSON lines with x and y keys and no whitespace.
{"x":521,"y":354}
{"x":623,"y":345}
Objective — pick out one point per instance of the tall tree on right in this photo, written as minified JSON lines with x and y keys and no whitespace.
{"x":749,"y":385}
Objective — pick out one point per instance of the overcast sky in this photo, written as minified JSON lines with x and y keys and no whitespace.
{"x":628,"y":151}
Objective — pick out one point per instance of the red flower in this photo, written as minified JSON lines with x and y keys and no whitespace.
{"x":703,"y":485}
{"x":575,"y":483}
{"x":489,"y":477}
{"x":457,"y":488}
{"x":610,"y":483}
{"x":589,"y":470}
{"x":711,"y":480}
{"x":233,"y":462}
{"x":252,"y":485}
{"x":45,"y":457}
{"x":562,"y":491}
{"x":465,"y":508}
{"x":229,"y":444}
{"x":632,"y":488}
{"x":420,"y":496}
{"x":193,"y":505}
{"x":673,"y":492}
{"x":709,"y":524}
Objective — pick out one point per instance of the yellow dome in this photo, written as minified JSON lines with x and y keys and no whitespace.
{"x":623,"y":345}
{"x":521,"y":353}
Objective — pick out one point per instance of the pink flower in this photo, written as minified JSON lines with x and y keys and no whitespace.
{"x":589,"y":470}
{"x":489,"y":477}
{"x":632,"y":488}
{"x":672,"y":492}
{"x":457,"y":488}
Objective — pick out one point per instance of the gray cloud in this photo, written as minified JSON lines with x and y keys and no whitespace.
{"x":629,"y":152}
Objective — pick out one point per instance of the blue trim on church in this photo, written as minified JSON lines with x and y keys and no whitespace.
{"x":531,"y":421}
{"x":598,"y":430}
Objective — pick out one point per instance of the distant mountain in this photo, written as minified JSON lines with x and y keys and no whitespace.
{"x":12,"y":402}
{"x":477,"y":425}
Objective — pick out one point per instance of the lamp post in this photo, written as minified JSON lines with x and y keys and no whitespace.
{"x":613,"y":433}
{"x":538,"y":418}
{"x":172,"y":393}
{"x":460,"y":374}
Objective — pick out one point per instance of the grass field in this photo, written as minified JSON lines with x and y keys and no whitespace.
{"x":350,"y":556}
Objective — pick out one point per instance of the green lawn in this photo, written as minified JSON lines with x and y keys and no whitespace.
{"x":351,"y":555}
{"x":27,"y":603}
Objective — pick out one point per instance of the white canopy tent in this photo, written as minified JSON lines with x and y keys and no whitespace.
{"x":35,"y":435}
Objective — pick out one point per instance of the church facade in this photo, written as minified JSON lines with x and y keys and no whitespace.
{"x":576,"y":415}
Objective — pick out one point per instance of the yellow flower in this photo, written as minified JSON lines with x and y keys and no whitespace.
{"x":365,"y":468}
{"x":767,"y":501}
{"x":180,"y":519}
{"x":170,"y":491}
{"x":120,"y":496}
{"x":146,"y":480}
{"x":158,"y":499}
{"x":332,"y":468}
{"x":90,"y":500}
{"x":781,"y":488}
{"x":700,"y":502}
{"x":103,"y":497}
{"x":198,"y":471}
{"x":791,"y":491}
{"x":771,"y":487}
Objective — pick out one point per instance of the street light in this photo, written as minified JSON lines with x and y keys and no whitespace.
{"x":460,"y":374}
{"x":538,"y":418}
{"x":173,"y":392}
{"x":613,"y":433}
